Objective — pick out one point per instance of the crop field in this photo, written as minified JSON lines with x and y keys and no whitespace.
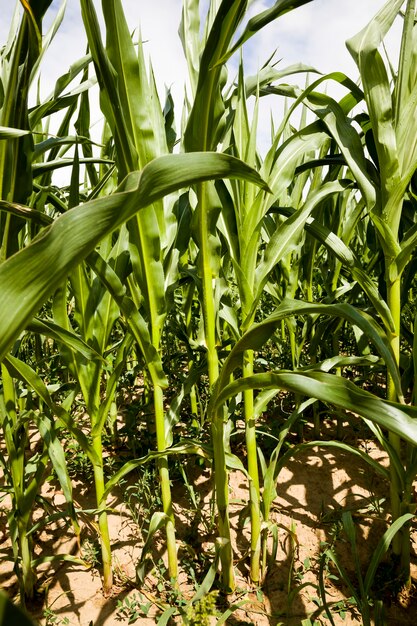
{"x":208,"y":350}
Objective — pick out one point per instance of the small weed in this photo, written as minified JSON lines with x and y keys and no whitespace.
{"x":52,"y":619}
{"x":199,"y":613}
{"x":90,"y":552}
{"x":142,"y":499}
{"x":78,"y":464}
{"x":195,"y":563}
{"x":132,"y":608}
{"x":168,"y":589}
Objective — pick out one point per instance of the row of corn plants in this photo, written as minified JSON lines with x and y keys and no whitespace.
{"x":194,"y":223}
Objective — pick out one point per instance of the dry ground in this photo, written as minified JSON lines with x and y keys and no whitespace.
{"x":314,"y":488}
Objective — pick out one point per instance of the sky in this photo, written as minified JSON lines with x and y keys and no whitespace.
{"x":314,"y":34}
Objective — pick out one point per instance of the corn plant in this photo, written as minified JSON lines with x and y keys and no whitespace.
{"x":25,"y":476}
{"x":248,"y":226}
{"x":27,"y":407}
{"x":18,"y":63}
{"x":392,"y":126}
{"x":383,"y":176}
{"x":88,"y":374}
{"x":382,"y":162}
{"x":95,"y":313}
{"x":139,"y":137}
{"x":362,"y":590}
{"x":204,"y":130}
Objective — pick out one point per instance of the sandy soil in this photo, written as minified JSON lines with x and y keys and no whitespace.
{"x":314,"y":489}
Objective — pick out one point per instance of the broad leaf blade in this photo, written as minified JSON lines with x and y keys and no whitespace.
{"x":29,"y":277}
{"x":396,"y":418}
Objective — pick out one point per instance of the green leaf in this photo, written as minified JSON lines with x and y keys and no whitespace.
{"x":287,"y":235}
{"x":189,"y":32}
{"x":57,"y":558}
{"x":206,"y":121}
{"x":26,"y":213}
{"x":382,"y":548}
{"x":396,"y":418}
{"x":186,"y":447}
{"x":134,"y":319}
{"x":29,"y":277}
{"x":11,"y":133}
{"x":208,"y":580}
{"x":377,"y":89}
{"x":70,"y":339}
{"x":258,"y":334}
{"x":110,"y":98}
{"x":57,"y":456}
{"x":158,"y":520}
{"x":24,"y":372}
{"x":166,"y":616}
{"x":139,"y":99}
{"x":262,"y":19}
{"x":344,"y":254}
